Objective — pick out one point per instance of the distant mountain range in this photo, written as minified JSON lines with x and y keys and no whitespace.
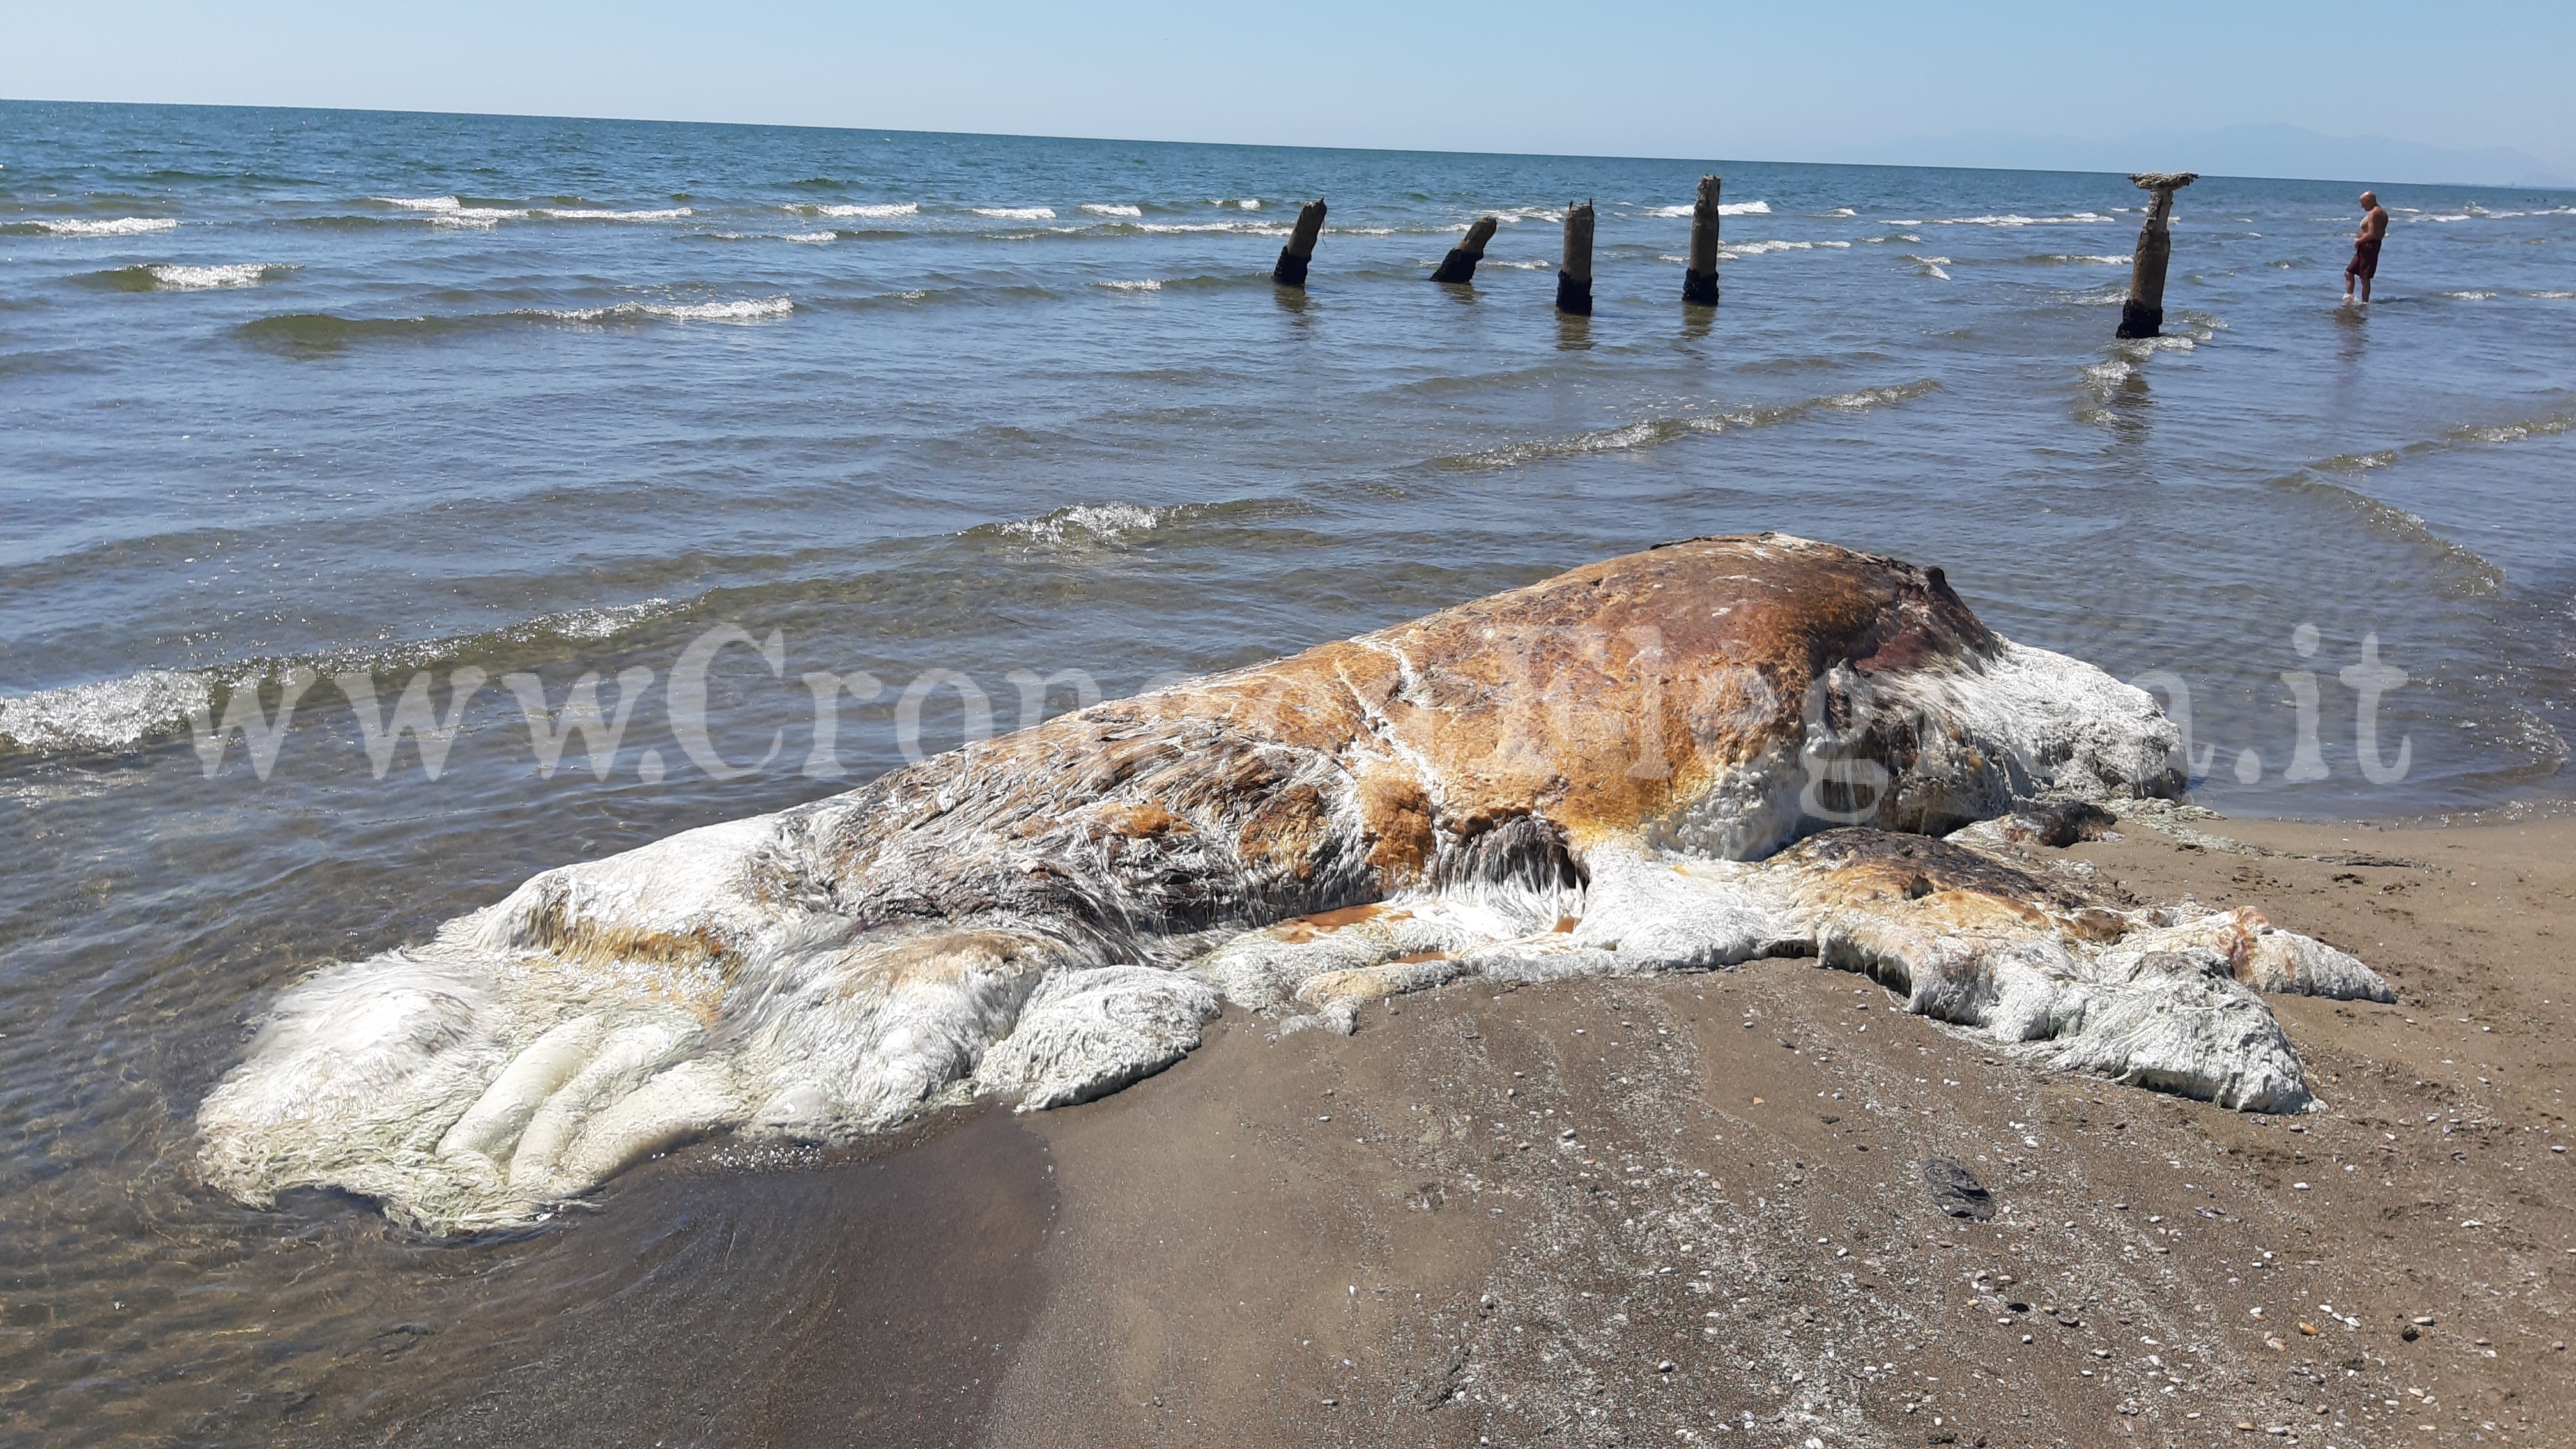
{"x":2248,"y":150}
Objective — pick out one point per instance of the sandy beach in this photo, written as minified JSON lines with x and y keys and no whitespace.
{"x":1685,"y":1209}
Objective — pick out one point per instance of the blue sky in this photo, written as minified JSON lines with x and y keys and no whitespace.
{"x":1855,"y":81}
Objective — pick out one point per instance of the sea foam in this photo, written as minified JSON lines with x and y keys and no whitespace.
{"x":750,"y":309}
{"x":1101,"y":208}
{"x":1729,"y":208}
{"x":1015,"y":213}
{"x":449,"y":211}
{"x":1086,"y":523}
{"x":193,"y":279}
{"x":112,"y":714}
{"x":121,"y":226}
{"x":878,"y":211}
{"x":584,"y":213}
{"x":1244,"y":228}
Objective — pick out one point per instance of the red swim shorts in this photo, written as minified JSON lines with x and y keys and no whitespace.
{"x":2365,"y":259}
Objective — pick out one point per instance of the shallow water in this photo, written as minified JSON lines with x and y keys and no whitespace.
{"x":401,"y":394}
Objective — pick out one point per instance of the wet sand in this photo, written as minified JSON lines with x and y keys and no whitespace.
{"x":1680,"y":1209}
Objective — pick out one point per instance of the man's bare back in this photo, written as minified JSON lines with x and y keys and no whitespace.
{"x":2365,"y":246}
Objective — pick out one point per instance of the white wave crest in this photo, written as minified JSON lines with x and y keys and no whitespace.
{"x":1086,"y":522}
{"x":750,"y":309}
{"x":1111,"y":208}
{"x":877,"y":211}
{"x":1761,"y":248}
{"x":812,"y":236}
{"x":191,"y":279}
{"x":1244,"y":228}
{"x":2008,"y":219}
{"x":1015,"y":213}
{"x":2471,"y":296}
{"x":599,"y":621}
{"x":449,"y":211}
{"x":1724,"y":208}
{"x":121,"y":226}
{"x":1146,"y":285}
{"x":476,"y":218}
{"x":587,"y":213}
{"x":2103,"y":378}
{"x":113,"y":714}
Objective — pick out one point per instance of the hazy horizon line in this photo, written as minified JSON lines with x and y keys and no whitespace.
{"x":1297,"y":146}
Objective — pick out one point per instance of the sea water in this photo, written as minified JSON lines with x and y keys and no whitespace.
{"x":813,"y":451}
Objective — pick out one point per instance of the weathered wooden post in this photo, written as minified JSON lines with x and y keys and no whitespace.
{"x":1699,"y":283}
{"x":1291,"y":271}
{"x":1574,"y":279}
{"x":1460,"y":264}
{"x":2143,"y":315}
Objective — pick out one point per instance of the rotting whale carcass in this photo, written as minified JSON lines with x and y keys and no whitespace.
{"x":1685,"y":758}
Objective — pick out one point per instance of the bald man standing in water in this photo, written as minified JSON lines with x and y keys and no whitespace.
{"x":2365,"y":246}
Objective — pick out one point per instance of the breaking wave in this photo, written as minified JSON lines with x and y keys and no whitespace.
{"x":1102,"y":208}
{"x":1732,"y":251}
{"x":2462,"y":570}
{"x":587,"y":213}
{"x":190,"y":279}
{"x":755,"y":309}
{"x":323,"y":330}
{"x":878,"y":211}
{"x":2001,"y":219}
{"x":112,"y":716}
{"x":173,"y":278}
{"x":77,"y":227}
{"x":1015,"y":213}
{"x":1082,"y":523}
{"x":1244,"y":228}
{"x":452,"y":211}
{"x":107,"y":716}
{"x":1650,"y":431}
{"x":1724,"y":208}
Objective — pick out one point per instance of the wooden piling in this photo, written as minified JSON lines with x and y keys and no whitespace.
{"x":1699,"y":283}
{"x":1574,"y":279}
{"x":1291,"y":271}
{"x":1460,"y":264}
{"x":2143,"y":315}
